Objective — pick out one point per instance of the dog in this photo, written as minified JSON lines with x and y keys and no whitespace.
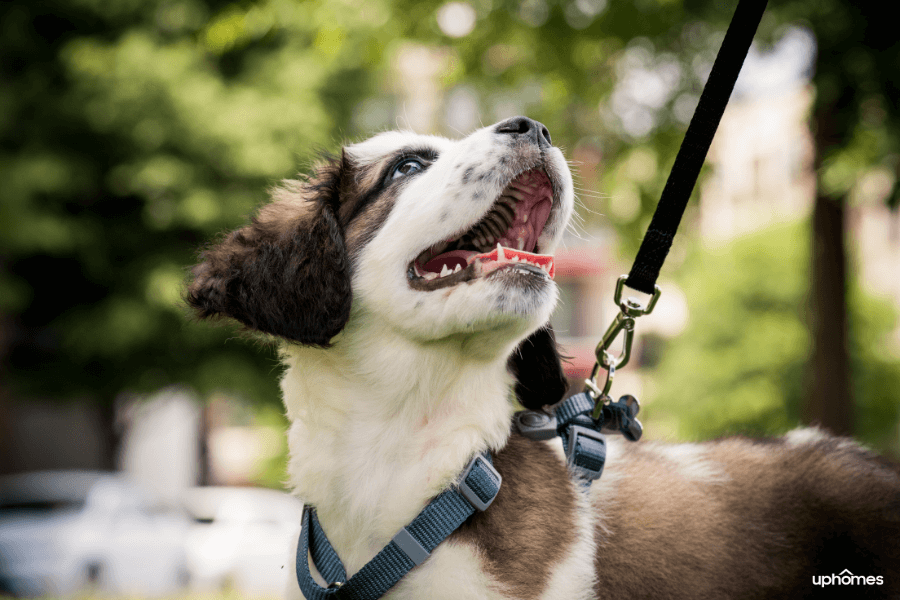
{"x":408,"y":282}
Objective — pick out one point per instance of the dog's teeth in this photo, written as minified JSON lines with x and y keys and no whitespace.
{"x":507,"y":211}
{"x":430,"y":276}
{"x":445,"y":271}
{"x":458,"y":268}
{"x":495,"y":228}
{"x":520,"y":243}
{"x":515,"y":194}
{"x":500,"y":255}
{"x":525,"y":218}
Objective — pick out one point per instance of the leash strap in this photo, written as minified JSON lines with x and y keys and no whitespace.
{"x":478,"y":486}
{"x":697,"y":139}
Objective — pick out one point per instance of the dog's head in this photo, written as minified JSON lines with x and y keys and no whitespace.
{"x":434,"y":238}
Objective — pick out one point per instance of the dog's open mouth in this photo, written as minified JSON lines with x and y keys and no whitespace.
{"x":506,"y":237}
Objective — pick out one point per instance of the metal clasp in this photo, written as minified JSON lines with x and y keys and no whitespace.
{"x":629,"y":310}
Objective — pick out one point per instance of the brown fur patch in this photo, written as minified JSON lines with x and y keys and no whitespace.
{"x":783,"y":516}
{"x":530,"y":527}
{"x":288,"y":272}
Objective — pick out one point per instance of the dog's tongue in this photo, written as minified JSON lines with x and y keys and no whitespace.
{"x":450,"y":260}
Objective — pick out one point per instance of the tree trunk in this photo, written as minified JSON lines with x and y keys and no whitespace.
{"x":829,"y":402}
{"x":111,"y":431}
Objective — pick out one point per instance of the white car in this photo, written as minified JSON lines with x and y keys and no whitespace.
{"x":243,"y":538}
{"x":64,"y":531}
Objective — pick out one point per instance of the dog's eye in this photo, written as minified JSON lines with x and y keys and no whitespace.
{"x":407,"y":167}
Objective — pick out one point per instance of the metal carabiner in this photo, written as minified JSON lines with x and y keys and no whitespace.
{"x":590,"y":385}
{"x":622,"y":322}
{"x":629,"y":310}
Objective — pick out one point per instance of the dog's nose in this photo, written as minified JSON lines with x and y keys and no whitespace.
{"x":530,"y":128}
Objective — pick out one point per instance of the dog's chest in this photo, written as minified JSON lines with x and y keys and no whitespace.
{"x":535,"y":541}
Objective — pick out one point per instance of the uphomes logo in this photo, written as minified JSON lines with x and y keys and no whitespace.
{"x":847,"y":578}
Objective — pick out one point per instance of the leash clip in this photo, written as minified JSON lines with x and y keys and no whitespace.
{"x":629,"y":310}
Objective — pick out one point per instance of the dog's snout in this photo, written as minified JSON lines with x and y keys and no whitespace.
{"x":530,"y":128}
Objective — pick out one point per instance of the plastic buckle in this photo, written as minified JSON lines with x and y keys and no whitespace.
{"x":536,"y":425}
{"x":573,"y":454}
{"x":468,"y":493}
{"x":621,"y":417}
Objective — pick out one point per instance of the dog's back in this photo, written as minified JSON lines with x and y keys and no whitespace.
{"x":802,"y":516}
{"x":740,"y":518}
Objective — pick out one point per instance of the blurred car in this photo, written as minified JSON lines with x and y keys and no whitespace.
{"x":245,"y":539}
{"x":64,"y":531}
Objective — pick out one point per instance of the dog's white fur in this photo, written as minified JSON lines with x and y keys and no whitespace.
{"x":416,"y":384}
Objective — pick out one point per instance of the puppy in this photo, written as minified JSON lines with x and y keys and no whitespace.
{"x":409,"y":282}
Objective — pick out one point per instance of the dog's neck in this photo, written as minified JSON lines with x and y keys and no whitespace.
{"x":381,"y":424}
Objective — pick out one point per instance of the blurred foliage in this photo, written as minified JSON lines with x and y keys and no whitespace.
{"x":272,"y":471}
{"x":134,"y":131}
{"x":747,"y":345}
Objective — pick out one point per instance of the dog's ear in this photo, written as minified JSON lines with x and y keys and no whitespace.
{"x":537,"y":367}
{"x":287,"y":273}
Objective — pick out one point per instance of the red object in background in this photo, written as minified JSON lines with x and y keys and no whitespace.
{"x":580,"y":360}
{"x":582,"y":261}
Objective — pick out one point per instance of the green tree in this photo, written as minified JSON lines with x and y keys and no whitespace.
{"x":132,"y":133}
{"x":750,"y":379}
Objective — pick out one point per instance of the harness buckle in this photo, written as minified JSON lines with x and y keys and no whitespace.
{"x":535,"y":425}
{"x":586,"y":452}
{"x":621,"y":417}
{"x":487,"y":479}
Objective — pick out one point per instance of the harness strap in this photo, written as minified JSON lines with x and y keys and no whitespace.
{"x":697,"y":139}
{"x":478,"y":486}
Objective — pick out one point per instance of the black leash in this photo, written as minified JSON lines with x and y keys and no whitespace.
{"x":676,"y":193}
{"x":697,"y":139}
{"x":581,"y":420}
